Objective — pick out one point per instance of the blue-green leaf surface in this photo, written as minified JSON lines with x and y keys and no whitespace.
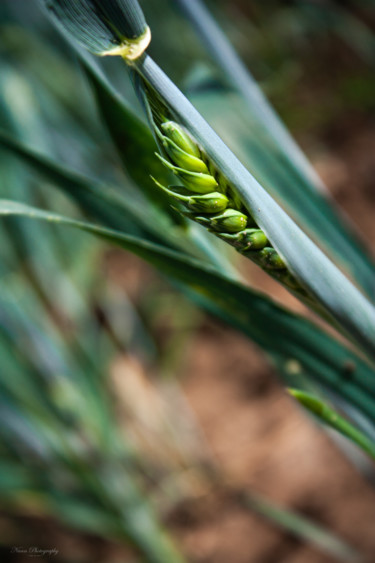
{"x":335,"y":293}
{"x":100,"y":25}
{"x":277,"y":160}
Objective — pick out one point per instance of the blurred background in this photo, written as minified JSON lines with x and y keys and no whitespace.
{"x":117,"y":392}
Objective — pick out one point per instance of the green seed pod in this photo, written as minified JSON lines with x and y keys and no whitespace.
{"x":198,"y":183}
{"x":180,"y":137}
{"x":194,"y":181}
{"x":254,"y":239}
{"x":183,"y":159}
{"x":214,"y":202}
{"x":210,"y":200}
{"x":271,"y":259}
{"x":231,"y":221}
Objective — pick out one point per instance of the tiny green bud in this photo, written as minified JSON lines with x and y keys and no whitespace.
{"x":194,"y":181}
{"x":180,"y":137}
{"x":183,"y":159}
{"x":231,"y":221}
{"x":213,"y":202}
{"x":271,"y":259}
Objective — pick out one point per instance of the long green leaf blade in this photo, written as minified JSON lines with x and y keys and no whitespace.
{"x":131,"y":137}
{"x":92,"y":21}
{"x":240,"y":77}
{"x":342,"y":301}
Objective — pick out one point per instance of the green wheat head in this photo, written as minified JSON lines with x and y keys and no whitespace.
{"x":207,"y":198}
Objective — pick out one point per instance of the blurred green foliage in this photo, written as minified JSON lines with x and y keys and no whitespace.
{"x":63,"y":452}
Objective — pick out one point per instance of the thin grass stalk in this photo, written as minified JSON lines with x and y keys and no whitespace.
{"x":297,"y":348}
{"x":301,"y":527}
{"x":324,"y":413}
{"x":240,"y":77}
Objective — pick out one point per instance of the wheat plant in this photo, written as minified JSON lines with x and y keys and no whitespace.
{"x":170,"y":227}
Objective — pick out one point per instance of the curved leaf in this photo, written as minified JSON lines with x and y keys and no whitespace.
{"x":295,"y":345}
{"x":101,"y":202}
{"x":114,"y":210}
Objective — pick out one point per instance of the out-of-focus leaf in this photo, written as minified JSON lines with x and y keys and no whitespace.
{"x":117,"y":211}
{"x":132,"y":139}
{"x":297,"y":347}
{"x":103,"y":203}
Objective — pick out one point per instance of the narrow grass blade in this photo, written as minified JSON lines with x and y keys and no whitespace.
{"x":101,"y":202}
{"x":301,"y":527}
{"x":331,"y":418}
{"x":104,"y":203}
{"x":57,"y":437}
{"x":114,"y":210}
{"x":63,"y":474}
